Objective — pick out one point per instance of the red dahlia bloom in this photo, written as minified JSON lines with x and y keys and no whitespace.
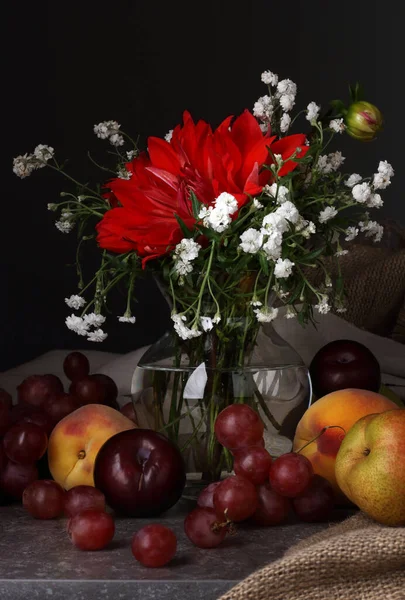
{"x":228,"y":159}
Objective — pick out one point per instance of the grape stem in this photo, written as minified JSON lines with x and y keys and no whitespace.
{"x":319,"y":435}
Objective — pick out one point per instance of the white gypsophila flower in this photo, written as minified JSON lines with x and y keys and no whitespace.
{"x":125,"y":319}
{"x":116,"y":140}
{"x":24,"y":165}
{"x":353,"y":180}
{"x":226,"y":202}
{"x":76,"y":324}
{"x":266,"y":315}
{"x":274,"y":222}
{"x":217,"y":219}
{"x":337,"y":125}
{"x":361,"y":192}
{"x":183,"y":268}
{"x":351,"y":233}
{"x":323,"y":305}
{"x":66,"y":215}
{"x":309,"y":230}
{"x":206,"y":323}
{"x":336,"y":159}
{"x":272,"y":247}
{"x":75,"y":301}
{"x":328,"y":213}
{"x":290,"y":313}
{"x":264,"y":127}
{"x":375,"y":201}
{"x":52,"y":206}
{"x":289,"y":211}
{"x":285,"y":123}
{"x":43,"y":153}
{"x":182,"y":330}
{"x":98,"y":335}
{"x":372,"y":228}
{"x":263,"y":108}
{"x":341,"y":309}
{"x":312,"y":111}
{"x":341,"y":252}
{"x":283,"y":268}
{"x":255,"y":302}
{"x":106,"y":129}
{"x":187,"y":249}
{"x":385,"y":169}
{"x":329,"y":163}
{"x":169,"y":135}
{"x":323,"y":165}
{"x":280,"y":192}
{"x":131,"y":154}
{"x":256,"y":204}
{"x":64,"y":226}
{"x":287,"y":102}
{"x":216,"y":318}
{"x":123,"y":173}
{"x":380,"y":181}
{"x":286,"y":86}
{"x":251,"y":241}
{"x":94,"y":319}
{"x":80,"y":198}
{"x":280,"y":293}
{"x":269,"y":78}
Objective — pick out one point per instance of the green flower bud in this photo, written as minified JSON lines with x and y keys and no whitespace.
{"x":363,"y":121}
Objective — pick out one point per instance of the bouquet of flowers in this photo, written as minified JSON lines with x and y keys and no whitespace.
{"x":231,"y":221}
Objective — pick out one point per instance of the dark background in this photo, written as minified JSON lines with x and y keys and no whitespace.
{"x":71,"y":65}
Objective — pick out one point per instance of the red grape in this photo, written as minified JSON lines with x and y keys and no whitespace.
{"x":76,"y":366}
{"x":88,"y":390}
{"x":15,"y":478}
{"x":83,"y":497}
{"x":235,"y":499}
{"x":40,"y":418}
{"x":91,"y":529}
{"x":238,"y":426}
{"x":20,"y":411}
{"x":154,"y":545}
{"x":128,"y":411}
{"x":5,"y":418}
{"x":272,"y":509}
{"x":5,"y":398}
{"x":25,"y":443}
{"x":316,"y":502}
{"x":290,"y":474}
{"x":206,"y":496}
{"x":3,"y":458}
{"x":202,"y":527}
{"x":43,"y":499}
{"x":111,"y":390}
{"x":61,"y":405}
{"x":35,"y":389}
{"x":253,"y":463}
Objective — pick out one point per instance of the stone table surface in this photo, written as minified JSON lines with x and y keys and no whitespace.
{"x":38,"y":560}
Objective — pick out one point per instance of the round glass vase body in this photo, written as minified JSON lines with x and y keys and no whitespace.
{"x":184,"y":394}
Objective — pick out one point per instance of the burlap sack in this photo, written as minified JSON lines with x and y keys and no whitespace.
{"x":357,"y":559}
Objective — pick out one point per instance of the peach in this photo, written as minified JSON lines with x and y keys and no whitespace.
{"x":75,"y":441}
{"x":341,"y":408}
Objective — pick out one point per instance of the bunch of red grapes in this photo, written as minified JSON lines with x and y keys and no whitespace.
{"x":42,"y":402}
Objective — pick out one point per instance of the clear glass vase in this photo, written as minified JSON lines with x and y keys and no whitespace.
{"x":187,"y":389}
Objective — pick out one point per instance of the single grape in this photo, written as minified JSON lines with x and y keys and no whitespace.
{"x":20,"y":411}
{"x":203,"y":528}
{"x":235,"y":499}
{"x":35,"y":389}
{"x":290,"y":474}
{"x":3,"y":458}
{"x":59,"y":406}
{"x":238,"y":426}
{"x":91,"y":529}
{"x":40,"y":418}
{"x":206,"y":496}
{"x":76,"y":366}
{"x":43,"y":499}
{"x":252,"y":463}
{"x":25,"y":443}
{"x":5,"y":398}
{"x":14,"y":478}
{"x":83,"y":497}
{"x":88,"y":390}
{"x":5,"y":418}
{"x":154,"y":545}
{"x":272,"y":509}
{"x":316,"y":502}
{"x":111,"y":389}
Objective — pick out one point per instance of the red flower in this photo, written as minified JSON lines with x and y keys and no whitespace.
{"x":228,"y":159}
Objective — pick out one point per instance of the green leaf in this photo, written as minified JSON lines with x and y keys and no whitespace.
{"x":264,"y":263}
{"x":338,"y":106}
{"x":196,"y":205}
{"x":312,"y":255}
{"x":184,"y":227}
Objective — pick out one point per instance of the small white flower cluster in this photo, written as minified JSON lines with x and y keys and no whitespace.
{"x":323,"y":306}
{"x":185,"y":252}
{"x":328,"y":163}
{"x":109,"y":130}
{"x":66,"y":222}
{"x":186,"y":333}
{"x":351,"y":233}
{"x":81,"y":325}
{"x":266,"y":314}
{"x":169,"y":135}
{"x":312,"y":112}
{"x":219,"y":216}
{"x":123,"y":173}
{"x":364,"y":193}
{"x":279,"y":192}
{"x":327,"y":214}
{"x":25,"y":164}
{"x":372,"y":228}
{"x":127,"y":319}
{"x":337,"y":125}
{"x":283,"y":94}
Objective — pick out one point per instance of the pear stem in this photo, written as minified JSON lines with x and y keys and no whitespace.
{"x":319,"y":435}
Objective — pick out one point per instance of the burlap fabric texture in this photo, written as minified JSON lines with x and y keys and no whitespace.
{"x":357,"y":559}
